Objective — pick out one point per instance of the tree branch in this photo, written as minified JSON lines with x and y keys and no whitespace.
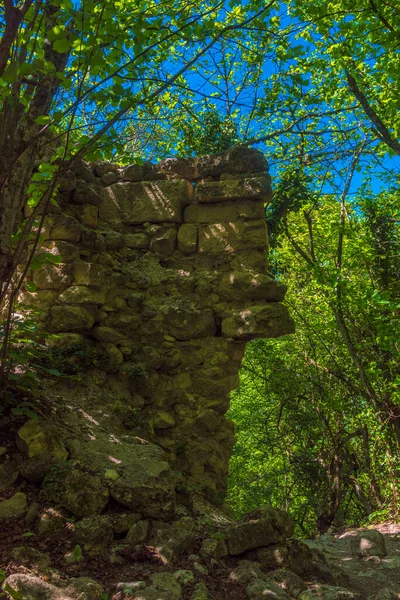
{"x":384,"y":132}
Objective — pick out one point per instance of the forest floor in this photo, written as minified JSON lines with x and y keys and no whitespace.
{"x":369,"y":575}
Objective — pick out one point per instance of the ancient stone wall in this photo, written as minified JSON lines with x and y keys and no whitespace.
{"x":163,"y":279}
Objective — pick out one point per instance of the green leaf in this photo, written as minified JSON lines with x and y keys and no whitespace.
{"x":11,"y":72}
{"x":62,"y":45}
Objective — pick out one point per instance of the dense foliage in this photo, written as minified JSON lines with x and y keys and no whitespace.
{"x":317,"y":413}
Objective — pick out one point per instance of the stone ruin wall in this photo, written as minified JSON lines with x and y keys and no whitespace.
{"x":163,"y":279}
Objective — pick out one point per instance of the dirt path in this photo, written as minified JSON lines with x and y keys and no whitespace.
{"x":369,"y":575}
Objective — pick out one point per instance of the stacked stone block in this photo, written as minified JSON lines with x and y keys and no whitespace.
{"x":163,"y":271}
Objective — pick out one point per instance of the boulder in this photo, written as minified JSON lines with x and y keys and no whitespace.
{"x":42,"y":446}
{"x":29,"y":557}
{"x":79,"y":492}
{"x":94,"y":534}
{"x":52,"y":521}
{"x":368,"y":543}
{"x":184,"y":576}
{"x":137,"y":241}
{"x":88,"y":273}
{"x":291,"y":583}
{"x":246,"y":572}
{"x":89,"y":215}
{"x":200,"y":592}
{"x":9,"y":472}
{"x":386,"y":594}
{"x":172,"y":539}
{"x":260,"y":590}
{"x":164,"y":587}
{"x":178,"y":167}
{"x":13,"y":508}
{"x":122,"y":522}
{"x":213,"y":548}
{"x":145,"y":482}
{"x":138,"y":533}
{"x":84,"y":588}
{"x":328,"y":592}
{"x":66,"y":228}
{"x":259,"y":528}
{"x":35,"y":588}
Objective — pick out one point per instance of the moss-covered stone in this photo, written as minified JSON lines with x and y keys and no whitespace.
{"x":257,"y":321}
{"x":163,"y":420}
{"x":238,"y":286}
{"x":86,"y":273}
{"x":137,"y":241}
{"x":9,"y":472}
{"x":85,"y":194}
{"x":13,"y":508}
{"x":259,"y":528}
{"x":187,"y":238}
{"x":189,"y":322}
{"x":71,"y":318}
{"x":79,"y":492}
{"x":81,"y":294}
{"x":41,"y":444}
{"x":53,"y":277}
{"x":171,"y":539}
{"x":163,"y":241}
{"x":138,"y":533}
{"x":89,"y":215}
{"x":66,"y":228}
{"x":260,"y":589}
{"x":94,"y":534}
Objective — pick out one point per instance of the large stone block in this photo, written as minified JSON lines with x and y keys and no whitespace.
{"x":53,"y":277}
{"x":66,"y":228}
{"x":86,"y":273}
{"x":81,"y":294}
{"x":85,"y":194}
{"x":178,"y":167}
{"x":187,"y":238}
{"x":40,"y":443}
{"x":258,"y":188}
{"x":225,"y":212}
{"x":189,"y":322}
{"x":233,"y":236}
{"x":240,"y":159}
{"x":261,"y":527}
{"x":71,"y":318}
{"x":241,"y":285}
{"x":148,"y":201}
{"x":258,"y":321}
